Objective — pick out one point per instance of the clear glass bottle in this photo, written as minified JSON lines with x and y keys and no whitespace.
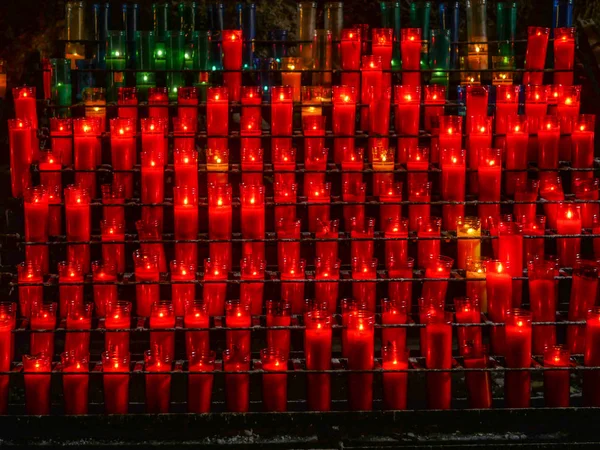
{"x":307,"y":23}
{"x":144,"y":49}
{"x":75,"y":31}
{"x":439,"y":56}
{"x":477,"y":53}
{"x":334,"y":22}
{"x":322,"y":48}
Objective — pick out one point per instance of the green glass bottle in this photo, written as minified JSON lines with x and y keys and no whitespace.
{"x":116,"y":60}
{"x":506,"y":24}
{"x":161,"y":14}
{"x":439,"y":56}
{"x":201,"y":61}
{"x":175,"y":61}
{"x":145,"y":48}
{"x":390,"y":18}
{"x":187,"y":18}
{"x":61,"y":86}
{"x":420,"y":13}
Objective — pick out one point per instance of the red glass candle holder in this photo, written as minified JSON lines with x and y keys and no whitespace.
{"x":220,"y":222}
{"x":8,"y":322}
{"x":281,"y":116}
{"x":288,"y":240}
{"x":187,"y":102}
{"x":217,"y":165}
{"x":147,"y":290}
{"x":433,"y":107}
{"x":317,"y":348}
{"x":551,"y":190}
{"x":408,"y":100}
{"x":548,"y":136}
{"x":319,"y":197}
{"x":510,"y":251}
{"x":231,"y":47}
{"x":284,"y":196}
{"x":36,"y":225}
{"x":535,"y":56}
{"x":162,"y":316}
{"x":419,"y":196}
{"x":533,"y":247}
{"x":499,"y":291}
{"x":25,"y":103}
{"x":183,"y":288}
{"x":274,"y":384}
{"x":327,"y":274}
{"x":479,"y":385}
{"x":489,"y":173}
{"x":396,"y":235}
{"x":543,"y":290}
{"x":43,"y":317}
{"x":152,"y":187}
{"x":78,"y":225}
{"x":410,"y":49}
{"x":582,"y":145}
{"x":113,"y":246}
{"x":215,"y":286}
{"x":394,"y":312}
{"x":118,"y":317}
{"x":437,"y":267}
{"x":128,"y":103}
{"x":564,"y":55}
{"x":284,"y":164}
{"x":536,"y":101}
{"x":200,"y":381}
{"x":51,"y":178}
{"x":252,"y":160}
{"x":390,"y":195}
{"x":371,"y":85}
{"x":123,"y":152}
{"x":381,"y":45}
{"x":344,"y":117}
{"x":469,"y":240}
{"x":251,"y":100}
{"x":361,"y":343}
{"x":184,"y":138}
{"x":395,"y":377}
{"x":352,"y":166}
{"x":507,"y":104}
{"x":584,"y":284}
{"x":115,"y":367}
{"x":477,"y":101}
{"x":79,"y":317}
{"x":186,"y":167}
{"x":417,"y":164}
{"x":364,"y":284}
{"x":588,"y":190}
{"x":21,"y":157}
{"x":113,"y":203}
{"x":158,"y":102}
{"x":278,"y":315}
{"x":568,"y":223}
{"x":382,"y":163}
{"x":591,"y":358}
{"x":70,"y":279}
{"x":158,"y":381}
{"x":362,"y":233}
{"x":439,"y":356}
{"x":252,"y":287}
{"x":327,"y":234}
{"x":379,"y":118}
{"x":400,"y":291}
{"x":428,"y":244}
{"x":154,"y":138}
{"x":350,"y":48}
{"x":86,"y":151}
{"x":61,"y":139}
{"x":468,"y":312}
{"x":516,"y":144}
{"x":185,"y":212}
{"x":526,"y":194}
{"x":557,"y":388}
{"x":252,"y":200}
{"x":150,"y":237}
{"x":37,"y":376}
{"x":292,"y":291}
{"x":75,"y":380}
{"x":196,"y":316}
{"x":354,"y":212}
{"x":29,"y":274}
{"x":105,"y":287}
{"x":237,"y":385}
{"x":517,"y":355}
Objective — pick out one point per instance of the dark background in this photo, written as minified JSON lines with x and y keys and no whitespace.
{"x":29,"y":26}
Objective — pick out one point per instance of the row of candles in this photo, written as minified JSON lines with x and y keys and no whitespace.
{"x":358,"y":342}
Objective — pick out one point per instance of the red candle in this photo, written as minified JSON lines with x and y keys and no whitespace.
{"x":417,"y":164}
{"x":315,"y":155}
{"x":78,"y":224}
{"x":477,"y":101}
{"x":468,"y":311}
{"x":219,"y":222}
{"x":185,"y":209}
{"x":148,"y":230}
{"x":30,"y":294}
{"x":319,"y":197}
{"x":251,"y":153}
{"x":543,"y":290}
{"x":390,"y":196}
{"x":437,"y":267}
{"x":350,"y":47}
{"x":231,"y":47}
{"x":361,"y":343}
{"x":372,"y":83}
{"x":499,"y":290}
{"x":548,"y":142}
{"x":113,"y":203}
{"x":379,"y":120}
{"x":200,"y":381}
{"x":450,"y":134}
{"x":317,"y":348}
{"x":327,"y":272}
{"x":251,"y":105}
{"x":533,"y":248}
{"x":252,"y":200}
{"x":517,"y":142}
{"x":252,"y":287}
{"x":517,"y":384}
{"x":428,"y":243}
{"x":288,"y":229}
{"x":293,"y":291}
{"x":75,"y":379}
{"x":582,"y":146}
{"x":183,"y":288}
{"x":196,"y":316}
{"x":381,"y":45}
{"x":526,"y":194}
{"x":551,"y":190}
{"x":536,"y":101}
{"x":123,"y":152}
{"x":282,"y":110}
{"x":564,"y":55}
{"x":113,"y":253}
{"x":36,"y":225}
{"x":400,"y":291}
{"x":362,"y":231}
{"x":86,"y":151}
{"x":152,"y":187}
{"x":395,"y":377}
{"x":419,"y":196}
{"x":158,"y":383}
{"x":478,"y":383}
{"x":568,"y":223}
{"x":128,"y":103}
{"x":434,"y":100}
{"x":43,"y":317}
{"x":489,"y":173}
{"x":439,"y":356}
{"x":408,"y":102}
{"x":51,"y":179}
{"x":583,"y":292}
{"x":154,"y":140}
{"x":79,"y":317}
{"x":557,"y":388}
{"x":396,"y":235}
{"x":364,"y":284}
{"x":382,"y":163}
{"x":147,"y":290}
{"x":278,"y":315}
{"x":186,"y":168}
{"x":187,"y":101}
{"x":162,"y":316}
{"x":344,"y":116}
{"x":535,"y":56}
{"x":26,"y":109}
{"x":158,"y":102}
{"x":591,"y":357}
{"x":118,"y":317}
{"x":469,"y":240}
{"x":217,"y":163}
{"x":394,"y":312}
{"x":115,"y":366}
{"x":507,"y":104}
{"x":237,"y":385}
{"x":37,"y":370}
{"x":105,"y":286}
{"x":70,"y":279}
{"x":453,"y":185}
{"x":510,"y":251}
{"x":274,"y":385}
{"x":327,"y":245}
{"x":184,"y":138}
{"x":19,"y":136}
{"x":588,"y":190}
{"x":215,"y":287}
{"x":61,"y":139}
{"x":410,"y":48}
